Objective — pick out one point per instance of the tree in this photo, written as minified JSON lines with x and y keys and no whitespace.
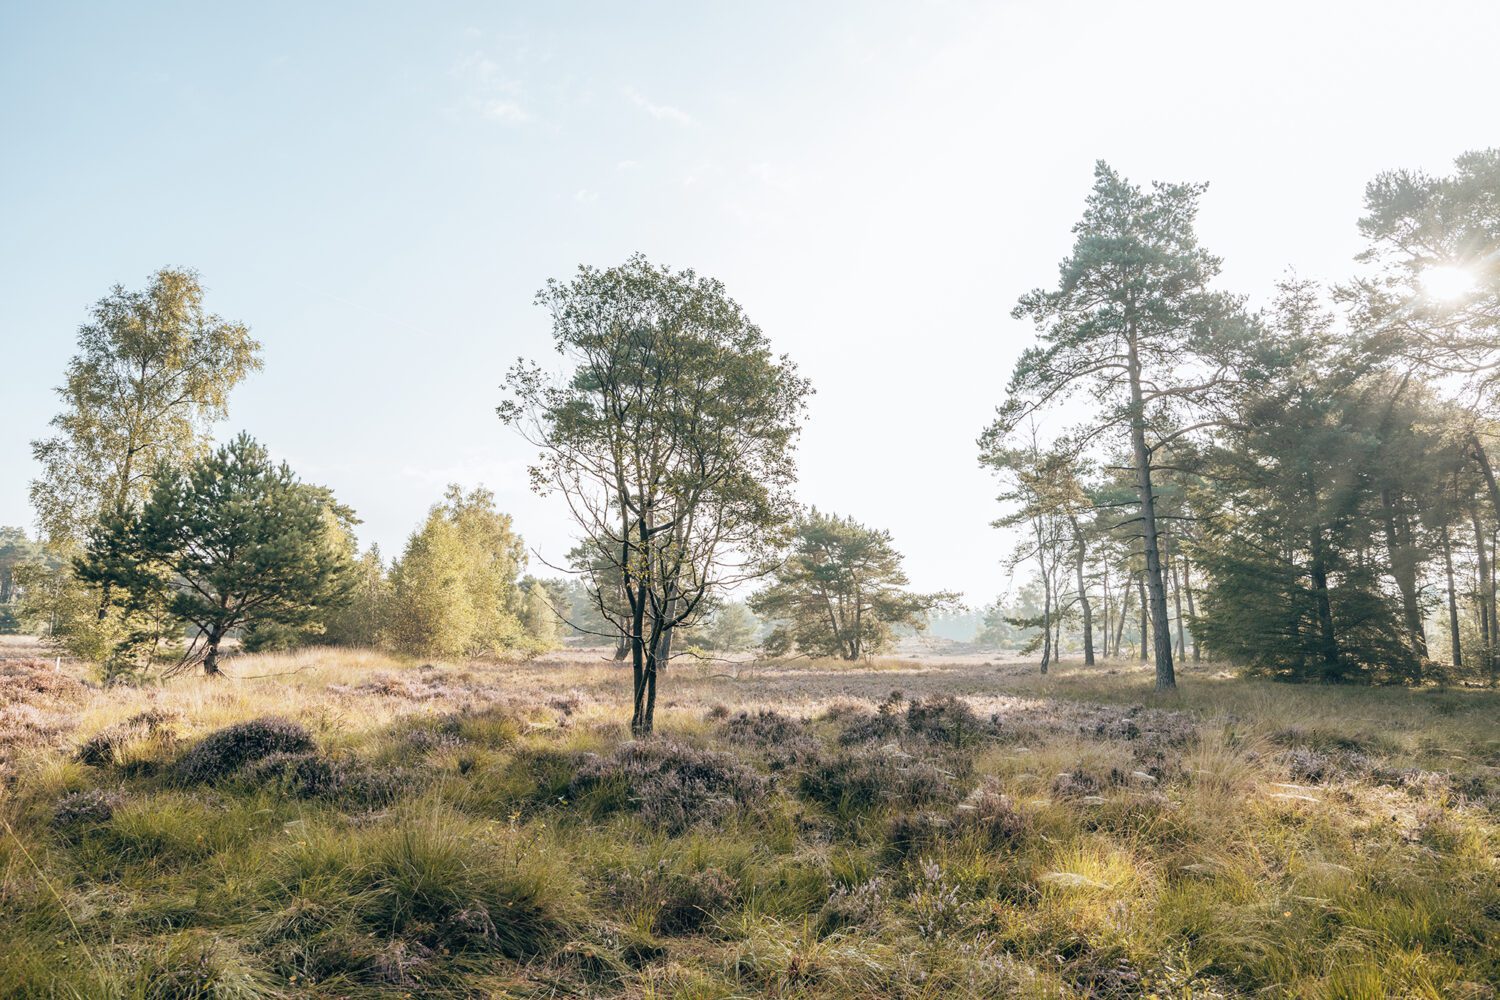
{"x":538,"y":618}
{"x":17,"y":553}
{"x":730,"y":628}
{"x":231,"y":541}
{"x":671,"y":438}
{"x":1046,"y":496}
{"x":597,"y":606}
{"x":153,"y":370}
{"x":1007,"y":622}
{"x":15,"y":548}
{"x":841,"y":592}
{"x":1134,"y":322}
{"x":358,"y":621}
{"x":455,"y":591}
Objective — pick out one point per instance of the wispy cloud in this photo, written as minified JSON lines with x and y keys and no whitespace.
{"x":491,"y":93}
{"x":661,"y":112}
{"x":505,"y":110}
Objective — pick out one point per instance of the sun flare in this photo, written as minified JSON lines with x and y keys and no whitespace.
{"x":1447,"y":282}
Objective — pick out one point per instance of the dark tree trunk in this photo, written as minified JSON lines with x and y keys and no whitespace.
{"x":1083,"y":598}
{"x":1187,"y":586}
{"x":1155,"y":589}
{"x":1457,"y":646}
{"x":1046,"y":621}
{"x":1140,"y":582}
{"x":1404,"y":569}
{"x":211,"y":654}
{"x":1122,"y":615}
{"x":1328,"y":645}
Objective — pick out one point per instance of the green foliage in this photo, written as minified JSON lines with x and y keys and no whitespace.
{"x":1134,"y":324}
{"x":455,"y":591}
{"x":232,"y":541}
{"x":841,"y":592}
{"x":731,"y":628}
{"x":671,"y":437}
{"x":538,"y":618}
{"x":153,"y":370}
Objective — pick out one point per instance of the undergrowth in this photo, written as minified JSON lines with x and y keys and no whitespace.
{"x":364,"y":829}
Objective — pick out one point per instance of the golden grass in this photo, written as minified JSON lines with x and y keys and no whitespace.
{"x":1237,"y":838}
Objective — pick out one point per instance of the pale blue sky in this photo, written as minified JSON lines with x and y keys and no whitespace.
{"x":378,"y":190}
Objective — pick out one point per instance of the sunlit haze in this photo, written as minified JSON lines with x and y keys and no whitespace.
{"x":379,"y":190}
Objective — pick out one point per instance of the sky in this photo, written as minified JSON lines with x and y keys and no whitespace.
{"x":378,"y":190}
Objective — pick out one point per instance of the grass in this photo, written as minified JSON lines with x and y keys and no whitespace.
{"x":918,"y":828}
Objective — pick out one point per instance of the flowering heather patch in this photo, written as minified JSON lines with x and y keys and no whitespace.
{"x":670,"y":784}
{"x":223,"y":752}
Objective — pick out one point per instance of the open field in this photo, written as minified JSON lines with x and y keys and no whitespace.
{"x":794,"y":830}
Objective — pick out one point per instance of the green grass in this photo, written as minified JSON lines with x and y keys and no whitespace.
{"x":1087,"y":838}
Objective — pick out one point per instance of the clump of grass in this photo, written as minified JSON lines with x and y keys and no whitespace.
{"x":223,"y":752}
{"x":311,"y":775}
{"x":855,"y":782}
{"x":148,"y":736}
{"x":672,"y":902}
{"x":857,"y":906}
{"x":946,"y":719}
{"x":783,"y":741}
{"x":669,"y":784}
{"x":384,"y":903}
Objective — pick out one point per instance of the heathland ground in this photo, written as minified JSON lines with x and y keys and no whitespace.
{"x":336,"y":823}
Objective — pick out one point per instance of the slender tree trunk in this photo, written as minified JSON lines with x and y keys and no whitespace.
{"x":1457,"y":646}
{"x":1106,"y":609}
{"x":641,"y":652}
{"x":1187,"y":585}
{"x":664,"y":644}
{"x":211,"y":654}
{"x":1485,"y":602}
{"x":1177,"y":604}
{"x":1328,"y":645}
{"x":1046,"y":620}
{"x":1403,"y":568}
{"x":1083,"y":597}
{"x":1123,"y":615}
{"x":1140,"y":582}
{"x":1166,"y":677}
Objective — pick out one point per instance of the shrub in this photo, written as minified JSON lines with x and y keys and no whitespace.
{"x":669,"y":784}
{"x":854,"y":906}
{"x":915,"y":833}
{"x":223,"y":752}
{"x":864,"y":727}
{"x":678,"y":902}
{"x":784,"y":740}
{"x":1317,"y":766}
{"x":113,"y":745}
{"x":1082,"y":782}
{"x":993,"y":816}
{"x":946,"y":719}
{"x":314,"y":776}
{"x":860,"y":780}
{"x":83,"y":809}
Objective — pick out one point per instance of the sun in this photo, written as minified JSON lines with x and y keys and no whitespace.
{"x":1447,"y":282}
